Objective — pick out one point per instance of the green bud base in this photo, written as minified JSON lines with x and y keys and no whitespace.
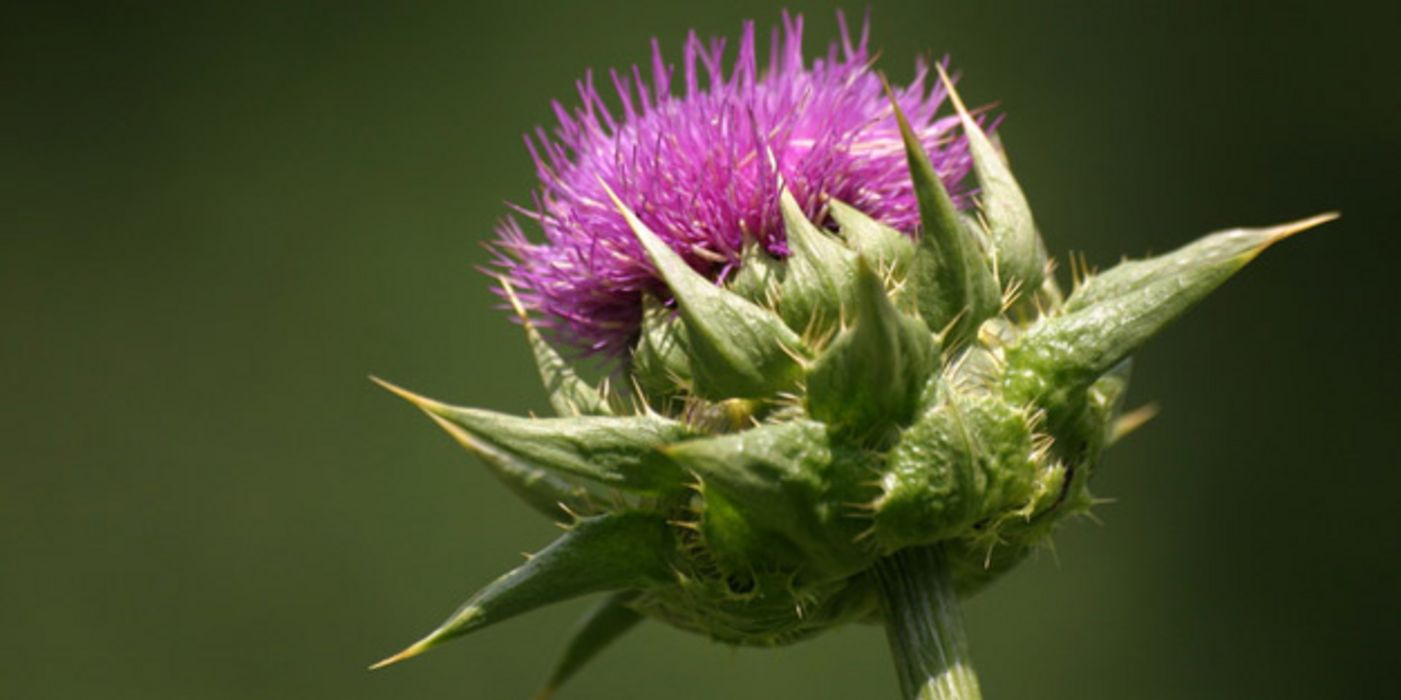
{"x":860,"y":432}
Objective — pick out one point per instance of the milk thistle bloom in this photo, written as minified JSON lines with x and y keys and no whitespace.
{"x":704,"y":170}
{"x":852,"y":390}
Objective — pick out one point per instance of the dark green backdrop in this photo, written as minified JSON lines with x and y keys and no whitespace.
{"x":217,"y":220}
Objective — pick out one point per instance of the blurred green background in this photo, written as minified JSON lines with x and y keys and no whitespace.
{"x":216,"y":219}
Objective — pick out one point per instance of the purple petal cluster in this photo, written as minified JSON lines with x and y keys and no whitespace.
{"x":701,"y":157}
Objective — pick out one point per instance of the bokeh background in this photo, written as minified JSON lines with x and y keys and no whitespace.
{"x":218,"y":218}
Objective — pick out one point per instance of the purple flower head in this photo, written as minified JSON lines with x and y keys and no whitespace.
{"x":703,"y":169}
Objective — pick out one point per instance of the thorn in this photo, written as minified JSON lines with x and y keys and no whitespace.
{"x":889,"y":94}
{"x":1131,"y":421}
{"x":514,"y":301}
{"x":796,"y":355}
{"x":948,"y":87}
{"x":413,"y":650}
{"x":639,"y":397}
{"x":568,"y":511}
{"x":617,"y":203}
{"x":1010,"y":295}
{"x":1051,"y":547}
{"x":434,"y":409}
{"x":859,"y":514}
{"x":422,"y":402}
{"x":1284,"y":231}
{"x":943,"y":333}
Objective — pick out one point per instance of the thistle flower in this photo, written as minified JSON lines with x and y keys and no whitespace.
{"x":827,"y":420}
{"x":703,"y":170}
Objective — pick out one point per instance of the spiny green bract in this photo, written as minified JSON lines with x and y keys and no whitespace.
{"x":864,"y":395}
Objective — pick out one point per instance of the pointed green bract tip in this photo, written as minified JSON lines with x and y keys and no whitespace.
{"x":659,"y":366}
{"x":870,"y":379}
{"x":408,"y":653}
{"x":760,"y":275}
{"x":618,"y":452}
{"x":569,"y":395}
{"x":418,"y":400}
{"x":954,"y":288}
{"x":1282,"y":231}
{"x":817,"y":283}
{"x":1019,"y":254}
{"x":545,"y":492}
{"x":889,"y":249}
{"x":1113,"y":313}
{"x":617,"y":551}
{"x":1132,"y":421}
{"x":1222,"y":251}
{"x":600,"y":627}
{"x":737,"y":349}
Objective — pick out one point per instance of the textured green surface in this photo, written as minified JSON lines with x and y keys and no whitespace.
{"x":596,"y":554}
{"x":736,"y":347}
{"x":216,"y":222}
{"x":950,"y":277}
{"x":778,"y":483}
{"x":871,"y":376}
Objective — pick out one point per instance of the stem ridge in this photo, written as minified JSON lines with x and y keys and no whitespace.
{"x":924,"y":625}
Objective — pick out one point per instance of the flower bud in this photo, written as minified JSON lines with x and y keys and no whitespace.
{"x":829,"y":355}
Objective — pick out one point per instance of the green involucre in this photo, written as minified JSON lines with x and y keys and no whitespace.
{"x":866,"y":395}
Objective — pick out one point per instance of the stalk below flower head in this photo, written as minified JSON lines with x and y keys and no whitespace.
{"x":704,"y":169}
{"x":828,"y":419}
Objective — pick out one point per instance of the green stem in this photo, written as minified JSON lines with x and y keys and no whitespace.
{"x":925,"y":626}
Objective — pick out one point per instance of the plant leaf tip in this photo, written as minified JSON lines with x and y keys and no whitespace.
{"x":514,"y":300}
{"x":1284,"y":231}
{"x":421,"y":402}
{"x":1277,"y":233}
{"x":1132,"y":421}
{"x":900,"y":120}
{"x":613,"y":197}
{"x":408,"y":653}
{"x":957,"y":101}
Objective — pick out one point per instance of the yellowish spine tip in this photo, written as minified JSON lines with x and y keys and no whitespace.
{"x":515,"y":301}
{"x":895,"y":106}
{"x":435,"y":410}
{"x":422,"y":402}
{"x":413,"y":650}
{"x":631,"y":217}
{"x":1131,"y":421}
{"x":953,"y":94}
{"x":1283,"y":231}
{"x":1275,"y":234}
